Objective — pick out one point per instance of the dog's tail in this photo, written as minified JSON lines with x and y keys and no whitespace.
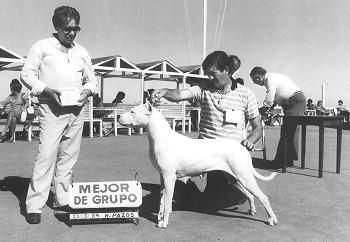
{"x":264,"y":178}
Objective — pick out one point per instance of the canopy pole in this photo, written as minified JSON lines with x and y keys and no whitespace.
{"x":184,"y":108}
{"x":101,"y":88}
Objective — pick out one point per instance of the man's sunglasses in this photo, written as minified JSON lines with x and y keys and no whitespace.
{"x":75,"y":29}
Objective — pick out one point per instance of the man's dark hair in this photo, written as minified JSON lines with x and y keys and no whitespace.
{"x":63,"y":15}
{"x":218,"y":59}
{"x":234,"y":64}
{"x":257,"y":71}
{"x":16,"y":85}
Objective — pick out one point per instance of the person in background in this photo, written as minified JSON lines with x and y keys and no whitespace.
{"x":310,"y":105}
{"x":283,"y":91}
{"x":342,"y":110}
{"x":321,"y":110}
{"x":145,"y":96}
{"x":219,"y":97}
{"x":18,"y":102}
{"x":55,"y":64}
{"x":150,"y":91}
{"x":240,"y":81}
{"x":119,"y":97}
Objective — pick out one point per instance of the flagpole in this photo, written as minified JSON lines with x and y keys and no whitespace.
{"x":204,"y":28}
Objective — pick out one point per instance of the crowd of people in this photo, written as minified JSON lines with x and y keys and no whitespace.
{"x":227,"y":105}
{"x":340,"y":109}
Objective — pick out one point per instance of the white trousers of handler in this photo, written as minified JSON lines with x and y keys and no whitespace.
{"x":59,"y":146}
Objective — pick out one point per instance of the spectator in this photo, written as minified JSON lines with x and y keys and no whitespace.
{"x":283,"y":91}
{"x":145,"y":96}
{"x":310,"y":105}
{"x":321,"y":110}
{"x":342,"y":110}
{"x":119,"y":97}
{"x":240,"y":81}
{"x":52,"y":64}
{"x":18,"y":102}
{"x":150,"y":91}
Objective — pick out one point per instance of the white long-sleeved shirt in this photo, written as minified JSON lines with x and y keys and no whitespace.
{"x":50,"y":64}
{"x":279,"y":88}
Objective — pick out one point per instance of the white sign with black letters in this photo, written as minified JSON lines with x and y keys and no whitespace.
{"x":105,"y":194}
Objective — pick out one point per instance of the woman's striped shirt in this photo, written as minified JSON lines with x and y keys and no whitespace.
{"x":214,"y":105}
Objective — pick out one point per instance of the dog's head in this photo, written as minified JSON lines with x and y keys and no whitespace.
{"x":138,"y":116}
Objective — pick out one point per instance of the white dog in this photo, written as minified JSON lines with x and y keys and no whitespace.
{"x":178,"y":157}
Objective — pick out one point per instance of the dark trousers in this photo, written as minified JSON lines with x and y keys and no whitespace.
{"x":294,"y":106}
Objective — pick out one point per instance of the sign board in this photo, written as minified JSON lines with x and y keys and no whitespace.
{"x":70,"y":96}
{"x":125,"y":194}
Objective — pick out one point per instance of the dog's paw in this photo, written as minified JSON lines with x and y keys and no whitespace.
{"x":161,"y":225}
{"x":272,"y":221}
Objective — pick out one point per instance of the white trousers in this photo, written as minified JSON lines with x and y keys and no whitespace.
{"x":59,"y":146}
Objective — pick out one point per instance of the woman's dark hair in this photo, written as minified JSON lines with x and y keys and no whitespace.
{"x":221,"y":61}
{"x":218,"y":59}
{"x":234,"y":64}
{"x":16,"y":85}
{"x":63,"y":15}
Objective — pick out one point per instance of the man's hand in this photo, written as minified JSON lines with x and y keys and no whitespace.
{"x":84,"y":96}
{"x":246,"y":143}
{"x":157,"y":95}
{"x":53,"y":94}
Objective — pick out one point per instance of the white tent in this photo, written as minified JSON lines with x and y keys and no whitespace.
{"x":117,"y":66}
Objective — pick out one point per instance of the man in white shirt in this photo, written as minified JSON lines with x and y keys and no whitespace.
{"x":283,"y":91}
{"x":53,"y":65}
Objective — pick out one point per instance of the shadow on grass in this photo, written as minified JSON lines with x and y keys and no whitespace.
{"x":187,"y":197}
{"x":18,"y":186}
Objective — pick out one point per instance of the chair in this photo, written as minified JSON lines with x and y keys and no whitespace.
{"x":173,"y":114}
{"x":88,"y":117}
{"x":310,"y":112}
{"x":27,"y":124}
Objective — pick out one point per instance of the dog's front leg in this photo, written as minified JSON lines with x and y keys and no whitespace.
{"x":169,"y":184}
{"x":161,"y":201}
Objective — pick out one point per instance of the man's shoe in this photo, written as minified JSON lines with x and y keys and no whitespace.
{"x":33,"y":218}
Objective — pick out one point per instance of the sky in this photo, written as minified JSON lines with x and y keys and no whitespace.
{"x":307,"y":40}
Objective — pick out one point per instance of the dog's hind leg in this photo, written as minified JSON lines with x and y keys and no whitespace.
{"x":251,"y":185}
{"x":169,"y":185}
{"x":239,"y":186}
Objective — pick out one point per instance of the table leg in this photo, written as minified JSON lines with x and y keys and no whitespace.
{"x":303,"y":145}
{"x":321,"y":148}
{"x":339,"y":139}
{"x":284,"y":162}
